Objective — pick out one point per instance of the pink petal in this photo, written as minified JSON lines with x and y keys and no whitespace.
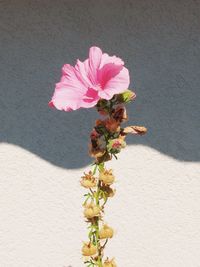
{"x":107,"y":59}
{"x":116,"y":84}
{"x":71,"y":79}
{"x":51,"y":105}
{"x":83,"y":72}
{"x":66,"y":98}
{"x":108,"y":72}
{"x":90,"y":99}
{"x":99,"y":76}
{"x":114,"y":79}
{"x":95,"y":55}
{"x":69,"y":91}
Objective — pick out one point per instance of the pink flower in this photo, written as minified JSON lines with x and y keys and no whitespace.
{"x":98,"y":77}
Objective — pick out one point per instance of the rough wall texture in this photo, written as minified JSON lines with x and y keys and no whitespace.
{"x":156,"y":211}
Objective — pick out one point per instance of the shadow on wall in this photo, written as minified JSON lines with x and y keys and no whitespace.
{"x":159,"y":42}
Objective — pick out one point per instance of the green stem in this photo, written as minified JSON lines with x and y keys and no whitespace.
{"x":95,"y":168}
{"x":97,"y":229}
{"x":100,"y":256}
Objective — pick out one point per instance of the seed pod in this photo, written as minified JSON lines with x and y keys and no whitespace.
{"x":88,"y":180}
{"x":89,"y":249}
{"x":109,"y":192}
{"x":107,"y":177}
{"x":106,"y":232}
{"x":91,"y":210}
{"x":109,"y":263}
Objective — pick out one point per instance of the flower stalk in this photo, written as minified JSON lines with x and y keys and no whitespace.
{"x":107,"y":139}
{"x":100,"y":82}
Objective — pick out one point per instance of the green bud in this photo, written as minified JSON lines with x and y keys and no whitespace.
{"x":126,"y":96}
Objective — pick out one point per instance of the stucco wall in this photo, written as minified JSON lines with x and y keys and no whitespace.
{"x":43,"y":152}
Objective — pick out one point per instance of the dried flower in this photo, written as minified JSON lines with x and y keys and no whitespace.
{"x":99,"y":122}
{"x":109,"y":263}
{"x":96,"y":152}
{"x":91,"y":210}
{"x":120,"y":114}
{"x":106,"y":232}
{"x":88,"y":180}
{"x":89,"y":249}
{"x":101,"y":142}
{"x":107,"y":177}
{"x":94,"y":135}
{"x":135,"y":130}
{"x":109,"y":192}
{"x":112,"y":125}
{"x":104,"y":158}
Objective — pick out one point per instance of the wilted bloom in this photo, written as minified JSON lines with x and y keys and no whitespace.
{"x":88,"y":180}
{"x":107,"y":177}
{"x":106,"y":232}
{"x":112,"y":125}
{"x":109,"y":263}
{"x":104,"y":158}
{"x":96,"y":152}
{"x":119,"y":114}
{"x":94,"y":135}
{"x":99,"y":122}
{"x":109,"y":192}
{"x":99,"y":77}
{"x":135,"y":130}
{"x":91,"y":210}
{"x":89,"y":249}
{"x":101,"y":142}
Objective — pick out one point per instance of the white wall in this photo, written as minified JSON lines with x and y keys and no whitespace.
{"x":43,"y":152}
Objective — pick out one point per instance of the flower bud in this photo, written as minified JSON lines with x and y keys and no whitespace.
{"x":89,"y":249}
{"x":91,"y":210}
{"x":115,"y":145}
{"x":126,"y":96}
{"x":107,"y":177}
{"x":88,"y":180}
{"x":106,"y":232}
{"x":109,"y":263}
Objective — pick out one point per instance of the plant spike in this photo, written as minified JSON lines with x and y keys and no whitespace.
{"x":107,"y":139}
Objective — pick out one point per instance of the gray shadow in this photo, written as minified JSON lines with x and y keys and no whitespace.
{"x":160,"y":43}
